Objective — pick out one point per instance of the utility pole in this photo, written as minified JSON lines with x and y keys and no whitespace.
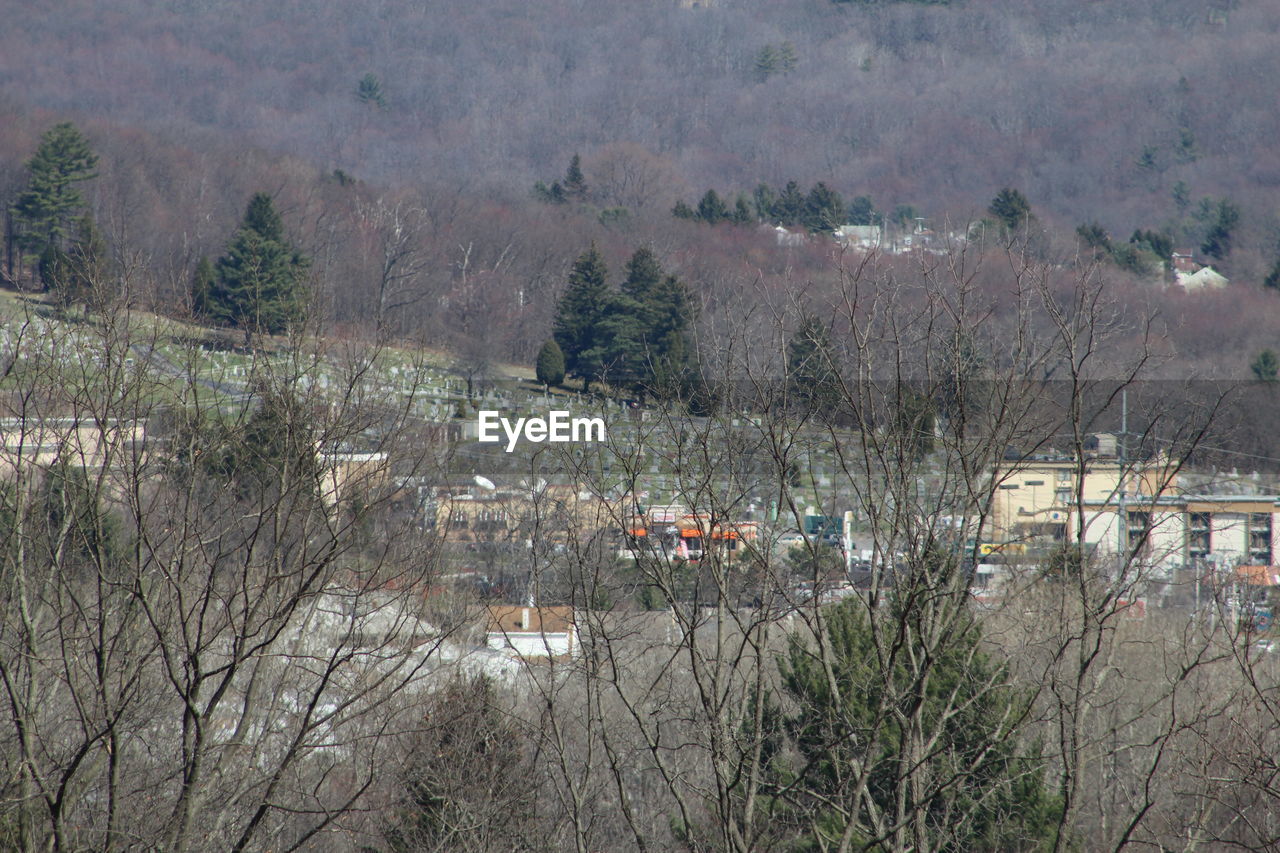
{"x":1120,"y":460}
{"x":8,"y":244}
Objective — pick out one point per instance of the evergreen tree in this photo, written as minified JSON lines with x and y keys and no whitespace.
{"x":915,"y":423}
{"x":1011,"y":209}
{"x":261,"y":216}
{"x":579,"y":315}
{"x":766,"y":201}
{"x":270,"y":451}
{"x":1273,"y":278}
{"x":614,"y":217}
{"x":742,"y":214}
{"x":623,"y":351}
{"x":672,"y":314}
{"x":1132,"y":259}
{"x":657,"y":348}
{"x":553,"y":194}
{"x":823,"y":209}
{"x":550,"y":366}
{"x":644,"y":274}
{"x":575,"y":183}
{"x":52,"y":268}
{"x":1094,"y":236}
{"x":683,"y":211}
{"x":1266,"y":366}
{"x":1206,"y":211}
{"x":260,"y":282}
{"x":1147,"y":159}
{"x":77,"y":529}
{"x":45,"y":210}
{"x":712,"y":209}
{"x":787,"y":59}
{"x":369,"y":91}
{"x":789,"y":208}
{"x":466,"y":775}
{"x":812,"y":383}
{"x":1181,"y":195}
{"x":1155,"y":242}
{"x":857,"y":713}
{"x":1217,"y":243}
{"x":72,"y":276}
{"x":775,"y":59}
{"x":863,"y":212}
{"x":1157,"y":247}
{"x":1186,"y":152}
{"x":766,"y":62}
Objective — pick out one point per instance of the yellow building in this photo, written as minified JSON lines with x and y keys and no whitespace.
{"x":1034,"y":496}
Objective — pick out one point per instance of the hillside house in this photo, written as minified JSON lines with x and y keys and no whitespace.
{"x":1202,"y":279}
{"x":1193,"y":275}
{"x":863,"y":237}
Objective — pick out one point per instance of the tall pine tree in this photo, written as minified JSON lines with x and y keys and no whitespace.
{"x":1011,"y":209}
{"x":664,"y":309}
{"x":579,"y":315}
{"x":812,"y":383}
{"x":712,"y":209}
{"x":789,"y":208}
{"x":823,"y":209}
{"x":46,"y":209}
{"x":855,"y":705}
{"x":575,"y":183}
{"x":644,"y":274}
{"x":260,"y":281}
{"x":671,"y":350}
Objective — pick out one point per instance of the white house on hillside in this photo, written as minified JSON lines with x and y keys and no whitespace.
{"x":858,"y":236}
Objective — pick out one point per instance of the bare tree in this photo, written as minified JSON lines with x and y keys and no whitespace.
{"x":213,"y":611}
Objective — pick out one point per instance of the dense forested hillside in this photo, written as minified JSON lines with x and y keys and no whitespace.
{"x":1130,"y":115}
{"x":927,"y":104}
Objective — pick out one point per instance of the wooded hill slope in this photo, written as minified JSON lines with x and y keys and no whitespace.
{"x":1095,"y":110}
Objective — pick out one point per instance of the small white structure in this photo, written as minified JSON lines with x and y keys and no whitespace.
{"x":788,"y":236}
{"x":858,"y":236}
{"x":1205,"y":277}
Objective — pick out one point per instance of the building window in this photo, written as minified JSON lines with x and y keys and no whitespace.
{"x":1260,"y":538}
{"x":1064,"y":475}
{"x":1198,"y":532}
{"x":1033,"y":483}
{"x":1139,"y":525}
